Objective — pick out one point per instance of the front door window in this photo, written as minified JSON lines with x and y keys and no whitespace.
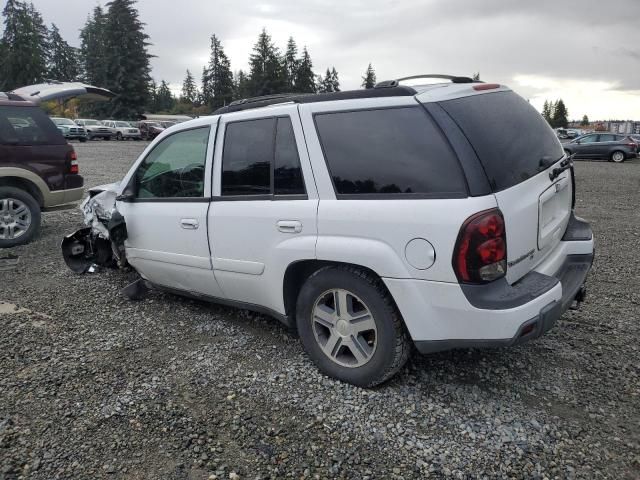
{"x":175,"y":167}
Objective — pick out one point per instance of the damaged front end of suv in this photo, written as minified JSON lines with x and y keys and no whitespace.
{"x":101,"y":242}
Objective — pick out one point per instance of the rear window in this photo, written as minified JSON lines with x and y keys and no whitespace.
{"x":28,"y":126}
{"x":388,"y":152}
{"x":512,"y":140}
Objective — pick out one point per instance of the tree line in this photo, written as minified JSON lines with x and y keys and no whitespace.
{"x":555,"y":113}
{"x":114,"y":54}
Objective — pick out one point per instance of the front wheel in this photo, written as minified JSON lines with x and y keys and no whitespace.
{"x":19,"y":217}
{"x":119,"y":136}
{"x":617,"y":156}
{"x":350,"y":327}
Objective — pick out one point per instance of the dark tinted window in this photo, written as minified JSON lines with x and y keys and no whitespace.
{"x":28,"y":126}
{"x":246,"y":158}
{"x":510,"y":137}
{"x":588,"y":139}
{"x":607,"y":138}
{"x":287,"y":175}
{"x":388,"y":151}
{"x":175,"y":167}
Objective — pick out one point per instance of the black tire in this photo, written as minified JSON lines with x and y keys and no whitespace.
{"x":618,"y":156}
{"x":119,"y":136}
{"x":82,"y":139}
{"x":393,"y":346}
{"x":34,"y":210}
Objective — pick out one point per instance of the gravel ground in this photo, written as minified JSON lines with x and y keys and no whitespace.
{"x":95,"y":386}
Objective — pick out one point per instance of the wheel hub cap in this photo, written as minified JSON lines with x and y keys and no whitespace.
{"x":15,"y":218}
{"x":344,"y":328}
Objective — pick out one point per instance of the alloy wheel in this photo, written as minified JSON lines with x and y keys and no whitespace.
{"x":344,"y":328}
{"x":15,"y":218}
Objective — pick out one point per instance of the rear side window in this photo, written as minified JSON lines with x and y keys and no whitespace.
{"x":608,"y":138}
{"x":512,"y":140}
{"x":28,"y":126}
{"x":260,"y":157}
{"x":393,"y":151}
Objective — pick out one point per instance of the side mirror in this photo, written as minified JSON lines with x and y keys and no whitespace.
{"x":125,"y":197}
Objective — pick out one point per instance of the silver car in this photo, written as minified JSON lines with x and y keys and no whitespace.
{"x":122,"y":130}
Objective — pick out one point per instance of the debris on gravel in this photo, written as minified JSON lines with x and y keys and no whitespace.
{"x":93,"y":385}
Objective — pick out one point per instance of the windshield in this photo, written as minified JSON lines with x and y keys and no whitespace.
{"x":512,"y":140}
{"x":63,"y":121}
{"x":122,"y":124}
{"x":168,"y":124}
{"x":154,"y":124}
{"x":91,"y":122}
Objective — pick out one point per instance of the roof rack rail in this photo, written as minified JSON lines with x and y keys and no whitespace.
{"x":257,"y":102}
{"x":453,"y":78}
{"x":264,"y":98}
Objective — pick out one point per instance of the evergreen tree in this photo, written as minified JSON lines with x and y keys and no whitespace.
{"x":63,"y":62}
{"x":126,"y":60}
{"x":152,"y":94}
{"x":206,"y":95}
{"x":93,"y":49}
{"x":369,"y":79}
{"x":266,"y":70}
{"x":330,"y":82}
{"x":585,"y":121}
{"x":240,"y":85}
{"x":189,"y":89}
{"x":23,"y":46}
{"x":547,"y":111}
{"x":217,"y":79}
{"x":560,"y":115}
{"x":305,"y":78}
{"x":290,"y":65}
{"x":164,"y":99}
{"x":335,"y":83}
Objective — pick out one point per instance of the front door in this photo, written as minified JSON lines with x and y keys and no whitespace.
{"x":167,"y":217}
{"x":263,"y":214}
{"x":588,"y":147}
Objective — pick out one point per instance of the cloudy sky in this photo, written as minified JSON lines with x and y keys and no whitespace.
{"x":584,"y":51}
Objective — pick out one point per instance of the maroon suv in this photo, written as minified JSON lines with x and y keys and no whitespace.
{"x":38,"y":169}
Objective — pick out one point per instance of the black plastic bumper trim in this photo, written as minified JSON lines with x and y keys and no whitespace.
{"x":577,"y":230}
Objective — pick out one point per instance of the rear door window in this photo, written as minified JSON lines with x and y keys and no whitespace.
{"x":260,"y":157}
{"x":28,"y":126}
{"x":388,"y":152}
{"x":512,"y":140}
{"x":607,"y":138}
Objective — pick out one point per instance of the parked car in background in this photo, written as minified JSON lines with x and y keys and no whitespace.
{"x":150,"y":129}
{"x":167,"y":123}
{"x":38,"y":169}
{"x":368,"y":220}
{"x":70,"y":130}
{"x":614,"y":147}
{"x":95,"y":129}
{"x":123,"y":130}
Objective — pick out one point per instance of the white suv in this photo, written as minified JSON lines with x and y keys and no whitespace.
{"x":439,"y":216}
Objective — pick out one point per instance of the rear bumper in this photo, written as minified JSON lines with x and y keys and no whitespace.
{"x":441,"y":316}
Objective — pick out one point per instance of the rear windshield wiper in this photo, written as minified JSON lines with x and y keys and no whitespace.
{"x":566,"y":164}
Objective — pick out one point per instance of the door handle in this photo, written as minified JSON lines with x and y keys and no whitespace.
{"x":189,"y":223}
{"x":289,"y":226}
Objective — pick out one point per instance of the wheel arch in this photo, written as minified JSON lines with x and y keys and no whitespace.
{"x":297,"y":272}
{"x":24,"y":184}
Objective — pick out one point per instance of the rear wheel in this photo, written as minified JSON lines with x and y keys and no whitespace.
{"x":118,"y":136}
{"x":618,"y":156}
{"x":350,"y":327}
{"x":19,"y":217}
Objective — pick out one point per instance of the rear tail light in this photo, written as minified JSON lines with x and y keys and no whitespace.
{"x":74,"y":168}
{"x":480,"y":255}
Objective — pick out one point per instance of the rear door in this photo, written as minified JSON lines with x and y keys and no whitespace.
{"x":518,"y":150}
{"x":263,"y":213}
